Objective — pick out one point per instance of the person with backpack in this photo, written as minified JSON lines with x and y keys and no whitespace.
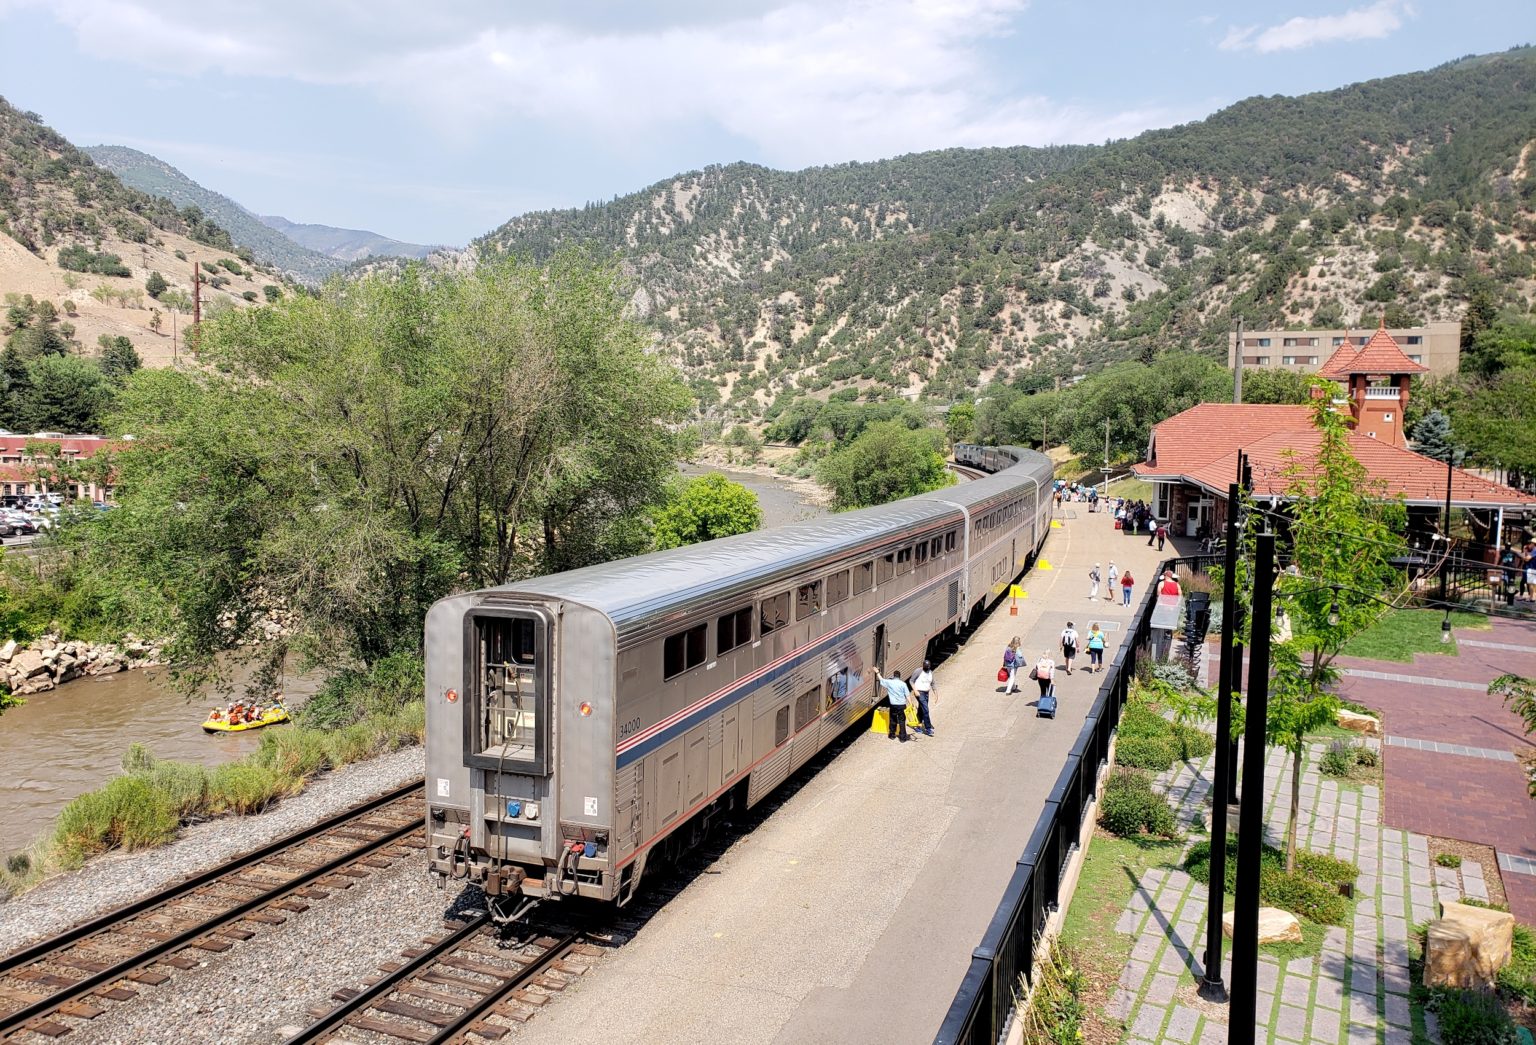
{"x":1043,"y":671}
{"x":1012,"y":659}
{"x":1068,"y":646}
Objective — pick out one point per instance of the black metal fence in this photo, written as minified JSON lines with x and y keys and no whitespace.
{"x":981,"y":1008}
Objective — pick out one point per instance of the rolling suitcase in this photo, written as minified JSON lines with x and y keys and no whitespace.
{"x":1046,"y":708}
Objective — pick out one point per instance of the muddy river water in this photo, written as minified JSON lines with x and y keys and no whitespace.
{"x":62,"y":743}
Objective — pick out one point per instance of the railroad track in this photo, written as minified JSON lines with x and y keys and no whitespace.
{"x":446,"y":989}
{"x":70,"y":974}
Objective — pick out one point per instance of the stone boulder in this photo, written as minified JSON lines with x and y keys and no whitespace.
{"x":1370,"y":725}
{"x":27,"y":663}
{"x":1467,"y":946}
{"x":1275,"y":925}
{"x":8,"y":651}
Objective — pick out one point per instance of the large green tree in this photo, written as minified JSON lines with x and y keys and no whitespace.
{"x":1344,"y":533}
{"x":355,"y":455}
{"x":704,"y":508}
{"x":886,"y":462}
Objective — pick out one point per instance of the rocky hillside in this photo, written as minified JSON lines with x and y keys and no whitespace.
{"x":937,"y":271}
{"x":74,"y":236}
{"x":149,"y":174}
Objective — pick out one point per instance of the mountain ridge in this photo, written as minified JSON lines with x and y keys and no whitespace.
{"x":345,"y":245}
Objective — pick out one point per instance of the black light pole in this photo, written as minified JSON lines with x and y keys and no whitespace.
{"x":1250,"y":830}
{"x":1445,"y":526}
{"x":1211,"y":987}
{"x":1235,"y":680}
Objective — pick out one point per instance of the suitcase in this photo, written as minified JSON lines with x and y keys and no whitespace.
{"x":1046,"y":708}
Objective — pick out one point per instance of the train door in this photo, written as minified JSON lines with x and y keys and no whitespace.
{"x":879,"y":657}
{"x":669,"y":796}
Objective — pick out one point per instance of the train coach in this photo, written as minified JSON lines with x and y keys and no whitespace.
{"x":581,"y":723}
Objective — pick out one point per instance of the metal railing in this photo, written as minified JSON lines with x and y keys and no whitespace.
{"x":982,"y":1007}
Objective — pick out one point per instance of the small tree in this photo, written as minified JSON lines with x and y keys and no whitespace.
{"x":155,"y":285}
{"x":960,"y":423}
{"x":273,"y":292}
{"x":118,"y":358}
{"x":1344,"y":535}
{"x":705,"y":508}
{"x":886,"y":462}
{"x":1431,"y":437}
{"x":1520,"y":694}
{"x":154,"y":320}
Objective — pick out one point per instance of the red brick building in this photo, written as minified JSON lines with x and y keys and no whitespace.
{"x":23,"y":457}
{"x":1375,"y":377}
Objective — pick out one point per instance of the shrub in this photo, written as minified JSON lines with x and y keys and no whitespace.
{"x":1448,"y":860}
{"x":1311,"y":892}
{"x":1130,"y":806}
{"x":155,"y":285}
{"x":1175,"y":674}
{"x":1194,"y":743}
{"x":293,"y":753}
{"x":1140,"y":719}
{"x":1518,"y":978}
{"x":232,"y":265}
{"x":1337,"y":760}
{"x":249,"y":295}
{"x":1366,"y":756}
{"x":273,"y":292}
{"x":242,"y":788}
{"x":127,"y":813}
{"x":181,"y":255}
{"x":1143,"y":752}
{"x":1056,"y":1008}
{"x":1470,"y":1017}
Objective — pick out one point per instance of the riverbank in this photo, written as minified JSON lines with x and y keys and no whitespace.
{"x":50,"y":660}
{"x":783,"y":498}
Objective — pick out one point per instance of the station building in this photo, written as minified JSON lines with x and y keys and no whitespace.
{"x":37,"y":464}
{"x":1434,"y":346}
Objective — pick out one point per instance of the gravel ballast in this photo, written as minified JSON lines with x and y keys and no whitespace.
{"x":111,"y":881}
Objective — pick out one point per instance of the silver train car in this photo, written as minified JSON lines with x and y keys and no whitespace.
{"x":581,"y":723}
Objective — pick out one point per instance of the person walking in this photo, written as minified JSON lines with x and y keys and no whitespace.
{"x":1012,"y":660}
{"x":1093,"y":582}
{"x":896,"y":695}
{"x":1126,"y":583}
{"x":1095,"y":648}
{"x":922,"y":689}
{"x":1043,"y":671}
{"x":1114,"y":578}
{"x":1162,"y":534}
{"x":1068,"y":646}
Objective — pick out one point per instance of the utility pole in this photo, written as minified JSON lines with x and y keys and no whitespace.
{"x":1105,"y":492}
{"x":1445,"y":528}
{"x":1237,"y":365}
{"x":197,"y":302}
{"x":1250,"y":831}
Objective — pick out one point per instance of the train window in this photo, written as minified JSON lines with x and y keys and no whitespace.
{"x":885,"y":568}
{"x":949,"y":541}
{"x":781,"y":726}
{"x":682,"y":651}
{"x":863,"y":577}
{"x":773,"y":613}
{"x":837,"y":587}
{"x":508,"y":691}
{"x":937,"y":545}
{"x":732,"y":630}
{"x":806,"y":709}
{"x":903,"y":562}
{"x":808,"y":600}
{"x":922,"y":552}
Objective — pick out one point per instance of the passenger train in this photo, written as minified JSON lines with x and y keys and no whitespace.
{"x":582,"y":723}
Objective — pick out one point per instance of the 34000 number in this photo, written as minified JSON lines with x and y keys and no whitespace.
{"x":629,"y":728}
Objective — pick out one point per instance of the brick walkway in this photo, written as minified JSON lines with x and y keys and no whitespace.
{"x":1356,"y":989}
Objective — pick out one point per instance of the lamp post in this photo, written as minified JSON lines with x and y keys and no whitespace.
{"x":1245,"y":911}
{"x":1445,"y":526}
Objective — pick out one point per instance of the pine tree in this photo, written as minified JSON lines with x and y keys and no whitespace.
{"x":155,"y":285}
{"x":1431,"y":436}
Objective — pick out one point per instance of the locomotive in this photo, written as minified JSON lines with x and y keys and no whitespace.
{"x":581,"y":724}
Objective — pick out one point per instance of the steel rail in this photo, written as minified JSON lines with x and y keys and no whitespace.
{"x":41,"y":951}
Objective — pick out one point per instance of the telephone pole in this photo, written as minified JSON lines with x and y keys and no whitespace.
{"x":1237,"y":365}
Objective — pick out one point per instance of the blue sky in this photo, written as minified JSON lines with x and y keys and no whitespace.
{"x":435,"y":122}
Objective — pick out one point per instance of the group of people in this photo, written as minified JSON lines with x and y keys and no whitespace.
{"x":242,"y":711}
{"x":1519,"y":566}
{"x":897,"y":694}
{"x":1137,"y":517}
{"x":1043,"y":672}
{"x":1123,"y":581}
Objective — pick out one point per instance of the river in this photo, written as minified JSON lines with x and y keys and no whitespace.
{"x":62,"y":743}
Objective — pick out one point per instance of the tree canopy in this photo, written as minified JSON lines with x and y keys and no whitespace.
{"x":886,"y":462}
{"x":704,"y":508}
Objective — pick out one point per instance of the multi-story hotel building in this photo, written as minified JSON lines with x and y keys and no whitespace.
{"x":1435,"y":346}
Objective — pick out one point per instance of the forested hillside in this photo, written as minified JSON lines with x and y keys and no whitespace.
{"x":158,"y":178}
{"x":935,"y":272}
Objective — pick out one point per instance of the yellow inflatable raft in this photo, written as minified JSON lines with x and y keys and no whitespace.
{"x":269,"y":717}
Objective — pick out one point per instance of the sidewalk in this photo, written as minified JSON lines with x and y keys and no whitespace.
{"x":1448,"y":770}
{"x":850,"y":913}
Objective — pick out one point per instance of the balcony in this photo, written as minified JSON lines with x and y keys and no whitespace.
{"x":1377,"y":392}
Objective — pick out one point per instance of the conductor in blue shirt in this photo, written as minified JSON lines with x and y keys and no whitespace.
{"x":896,"y":694}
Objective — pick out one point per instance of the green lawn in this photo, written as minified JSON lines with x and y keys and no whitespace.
{"x":1402,"y":633}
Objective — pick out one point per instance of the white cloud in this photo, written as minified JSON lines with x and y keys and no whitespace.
{"x":807,"y":81}
{"x":1374,"y":22}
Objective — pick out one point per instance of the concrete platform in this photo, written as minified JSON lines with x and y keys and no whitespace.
{"x":850,"y":914}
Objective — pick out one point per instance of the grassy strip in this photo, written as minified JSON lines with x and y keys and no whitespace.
{"x":1401,"y":633}
{"x":146,"y":806}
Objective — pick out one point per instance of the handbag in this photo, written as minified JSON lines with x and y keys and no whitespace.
{"x":1002,"y":674}
{"x":1034,"y":673}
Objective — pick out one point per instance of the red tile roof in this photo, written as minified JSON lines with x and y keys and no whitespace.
{"x":1207,"y":438}
{"x":1379,"y":355}
{"x":70,"y":445}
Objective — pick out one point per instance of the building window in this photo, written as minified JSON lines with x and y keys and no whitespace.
{"x":732,"y":630}
{"x":1337,"y":342}
{"x":1415,"y":339}
{"x":1416,"y":359}
{"x":1361,"y":340}
{"x":1310,"y":342}
{"x":1263,"y":342}
{"x":1386,"y":417}
{"x":682,"y":651}
{"x":773,"y":613}
{"x":1288,"y":359}
{"x":1311,"y":360}
{"x":1289,"y":342}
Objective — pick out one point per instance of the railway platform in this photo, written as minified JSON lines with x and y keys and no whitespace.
{"x":850,"y":913}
